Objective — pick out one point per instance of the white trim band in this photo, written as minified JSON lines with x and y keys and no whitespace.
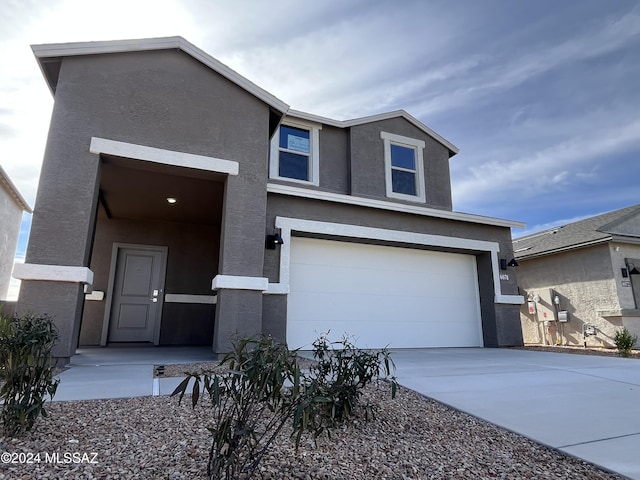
{"x":96,"y":295}
{"x":52,"y":273}
{"x":510,"y":299}
{"x":185,"y":298}
{"x":288,"y":225}
{"x":392,"y":206}
{"x":234,"y":282}
{"x":165,"y":157}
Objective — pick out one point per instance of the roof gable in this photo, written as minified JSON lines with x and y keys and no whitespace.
{"x":50,"y":57}
{"x":8,"y":185}
{"x":627,"y":226}
{"x":620,"y":225}
{"x":376,"y":118}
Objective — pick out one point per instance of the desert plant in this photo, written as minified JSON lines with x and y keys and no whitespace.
{"x":250,"y":403}
{"x":25,"y":353}
{"x":624,"y":341}
{"x":258,"y":388}
{"x":335,"y":384}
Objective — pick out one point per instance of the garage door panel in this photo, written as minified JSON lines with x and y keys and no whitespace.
{"x":383,"y":334}
{"x":370,"y":282}
{"x":318,"y":278}
{"x":373,"y":307}
{"x":381,"y":295}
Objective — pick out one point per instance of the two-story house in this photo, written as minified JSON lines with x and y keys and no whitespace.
{"x":179,"y":203}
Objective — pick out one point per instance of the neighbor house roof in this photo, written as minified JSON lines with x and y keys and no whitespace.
{"x":8,"y":185}
{"x":620,"y":225}
{"x":50,"y":59}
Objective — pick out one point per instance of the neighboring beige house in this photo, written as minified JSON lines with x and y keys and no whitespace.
{"x":12,"y":204}
{"x":589,"y":269}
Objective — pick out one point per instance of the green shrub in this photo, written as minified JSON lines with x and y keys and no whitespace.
{"x":25,"y":354}
{"x":624,"y":341}
{"x":249,"y":402}
{"x":258,"y":388}
{"x":334,"y":385}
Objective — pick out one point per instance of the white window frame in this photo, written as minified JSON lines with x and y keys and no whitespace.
{"x":407,"y":142}
{"x":314,"y":157}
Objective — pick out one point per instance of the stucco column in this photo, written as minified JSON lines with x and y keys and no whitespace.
{"x":240,"y":281}
{"x":61,"y":235}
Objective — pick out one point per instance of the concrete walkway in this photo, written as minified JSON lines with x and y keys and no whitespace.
{"x":124,"y":371}
{"x":586,"y":406}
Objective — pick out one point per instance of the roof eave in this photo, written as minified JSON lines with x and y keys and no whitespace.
{"x":59,"y":50}
{"x":15,"y":193}
{"x":564,"y":249}
{"x":625,"y":239}
{"x":453,"y":150}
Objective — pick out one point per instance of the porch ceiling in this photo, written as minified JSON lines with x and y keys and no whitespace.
{"x":139,"y":190}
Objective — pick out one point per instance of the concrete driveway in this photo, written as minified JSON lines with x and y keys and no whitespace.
{"x":586,"y":406}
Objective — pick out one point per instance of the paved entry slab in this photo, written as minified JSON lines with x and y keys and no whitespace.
{"x":119,"y":372}
{"x":586,"y":406}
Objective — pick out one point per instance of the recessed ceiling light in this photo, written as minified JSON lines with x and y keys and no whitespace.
{"x":172,"y":201}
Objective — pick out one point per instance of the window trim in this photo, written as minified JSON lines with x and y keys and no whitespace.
{"x":314,"y":157}
{"x":418,"y":147}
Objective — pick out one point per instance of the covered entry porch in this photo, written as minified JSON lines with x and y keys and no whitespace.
{"x":154,"y":255}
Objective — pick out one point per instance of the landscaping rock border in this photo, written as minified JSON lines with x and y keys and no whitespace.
{"x":412,"y":437}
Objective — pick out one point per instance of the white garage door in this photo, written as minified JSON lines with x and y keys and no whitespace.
{"x":382,"y":296}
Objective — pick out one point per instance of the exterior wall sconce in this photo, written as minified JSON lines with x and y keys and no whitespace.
{"x":625,"y":272}
{"x":273,"y":240}
{"x":504,"y":264}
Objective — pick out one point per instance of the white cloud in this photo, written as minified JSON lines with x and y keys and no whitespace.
{"x":349,"y":65}
{"x":538,"y":172}
{"x":441,"y":62}
{"x":511,"y":67}
{"x":25,"y":99}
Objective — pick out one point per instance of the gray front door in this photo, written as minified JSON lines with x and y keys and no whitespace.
{"x":137,"y":295}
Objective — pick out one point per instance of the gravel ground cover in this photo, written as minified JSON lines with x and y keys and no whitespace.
{"x":412,"y":437}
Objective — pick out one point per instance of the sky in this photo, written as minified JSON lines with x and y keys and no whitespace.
{"x":542,"y":97}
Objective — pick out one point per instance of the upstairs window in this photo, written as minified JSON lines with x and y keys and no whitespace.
{"x":404,"y":167}
{"x":294,"y":153}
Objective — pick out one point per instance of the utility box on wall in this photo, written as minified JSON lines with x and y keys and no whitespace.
{"x":563,"y":316}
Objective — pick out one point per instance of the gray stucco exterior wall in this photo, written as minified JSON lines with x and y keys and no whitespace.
{"x":166,"y":99}
{"x":500,"y":322}
{"x":163,"y":99}
{"x":335,"y":166}
{"x":192,"y":262}
{"x":368,"y":168}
